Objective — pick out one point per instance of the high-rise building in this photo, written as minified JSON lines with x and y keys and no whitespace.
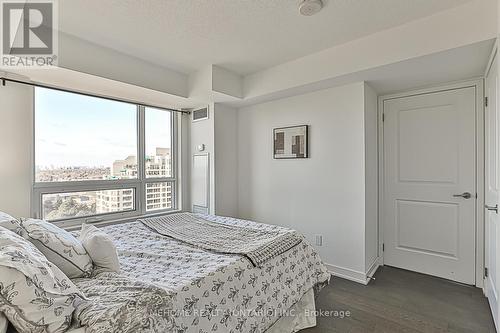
{"x":158,"y":165}
{"x":114,"y":201}
{"x":158,"y":194}
{"x":125,"y":169}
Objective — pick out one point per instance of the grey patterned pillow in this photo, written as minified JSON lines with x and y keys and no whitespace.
{"x":34,"y":294}
{"x":59,"y":246}
{"x":9,"y":222}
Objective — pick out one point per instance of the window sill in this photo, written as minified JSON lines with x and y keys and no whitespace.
{"x":76,"y":225}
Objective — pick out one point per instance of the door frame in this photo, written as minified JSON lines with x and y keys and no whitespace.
{"x":493,"y":55}
{"x":478,"y":85}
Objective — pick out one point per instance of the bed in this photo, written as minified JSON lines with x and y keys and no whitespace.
{"x":207,"y":291}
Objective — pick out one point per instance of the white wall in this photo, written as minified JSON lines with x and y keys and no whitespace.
{"x":202,"y":132}
{"x":324,"y":194}
{"x":219,"y":135}
{"x":226,"y":82}
{"x":83,"y":56}
{"x":226,"y":160}
{"x":184,"y":162}
{"x":16,"y":140}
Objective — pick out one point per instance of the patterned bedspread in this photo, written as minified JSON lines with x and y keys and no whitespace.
{"x":258,"y":245}
{"x":116,"y":303}
{"x":217,"y":292}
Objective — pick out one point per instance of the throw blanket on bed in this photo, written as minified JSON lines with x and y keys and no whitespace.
{"x":258,"y":246}
{"x":121,"y":304}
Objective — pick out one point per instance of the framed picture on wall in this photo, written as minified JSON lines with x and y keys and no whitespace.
{"x":290,"y":142}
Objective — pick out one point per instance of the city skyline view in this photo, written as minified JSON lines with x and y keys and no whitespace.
{"x":94,"y":132}
{"x":157,"y":165}
{"x":79,"y":138}
{"x":88,"y":203}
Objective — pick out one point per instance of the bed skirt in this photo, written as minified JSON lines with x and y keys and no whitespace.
{"x":302,"y":316}
{"x":299,"y":319}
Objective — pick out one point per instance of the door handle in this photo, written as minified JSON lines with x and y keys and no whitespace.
{"x":465,"y":195}
{"x":495,"y":209}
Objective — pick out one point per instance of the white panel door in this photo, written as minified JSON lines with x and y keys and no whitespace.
{"x":492,"y":229}
{"x":429,"y":183}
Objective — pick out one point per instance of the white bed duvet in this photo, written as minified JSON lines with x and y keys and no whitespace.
{"x":219,"y":293}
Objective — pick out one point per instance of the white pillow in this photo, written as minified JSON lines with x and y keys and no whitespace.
{"x":101,"y":248}
{"x":59,"y":246}
{"x":9,"y":222}
{"x":36,"y":295}
{"x":4,"y":323}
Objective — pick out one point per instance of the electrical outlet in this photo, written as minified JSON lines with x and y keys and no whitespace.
{"x":319,"y":240}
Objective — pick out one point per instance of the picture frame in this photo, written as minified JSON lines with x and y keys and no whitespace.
{"x":291,"y":142}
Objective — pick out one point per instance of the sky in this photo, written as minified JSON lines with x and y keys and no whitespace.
{"x":76,"y":130}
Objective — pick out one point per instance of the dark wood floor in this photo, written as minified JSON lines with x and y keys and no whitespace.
{"x":403,"y":301}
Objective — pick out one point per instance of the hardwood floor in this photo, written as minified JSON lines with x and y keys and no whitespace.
{"x":403,"y":301}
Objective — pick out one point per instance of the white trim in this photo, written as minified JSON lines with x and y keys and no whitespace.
{"x":373,"y":268}
{"x":380,"y":142}
{"x":492,"y":57}
{"x":71,"y":226}
{"x":494,"y":52}
{"x":480,"y":177}
{"x":347,"y":273}
{"x":353,"y":275}
{"x":193,"y":206}
{"x":434,"y":88}
{"x":478,"y":84}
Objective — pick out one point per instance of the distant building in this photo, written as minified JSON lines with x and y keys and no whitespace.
{"x":158,"y":194}
{"x":125,"y":169}
{"x":114,"y":201}
{"x":158,"y":165}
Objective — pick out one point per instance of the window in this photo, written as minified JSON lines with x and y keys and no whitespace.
{"x":58,"y":206}
{"x":158,"y":144}
{"x":82,"y":138}
{"x":98,"y":159}
{"x":158,"y":196}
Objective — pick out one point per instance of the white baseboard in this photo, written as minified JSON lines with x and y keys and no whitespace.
{"x":353,"y":275}
{"x":373,"y":268}
{"x":347,"y":273}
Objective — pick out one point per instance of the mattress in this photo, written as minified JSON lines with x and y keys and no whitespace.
{"x":218,"y":292}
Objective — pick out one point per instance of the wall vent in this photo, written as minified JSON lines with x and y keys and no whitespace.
{"x":200,"y":114}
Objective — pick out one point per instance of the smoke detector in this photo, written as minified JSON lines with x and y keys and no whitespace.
{"x":310,"y":7}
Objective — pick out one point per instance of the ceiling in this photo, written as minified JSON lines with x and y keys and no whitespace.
{"x":462,"y":63}
{"x":456,"y":64}
{"x":244,"y":36}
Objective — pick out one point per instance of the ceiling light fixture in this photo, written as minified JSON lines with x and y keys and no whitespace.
{"x":310,"y":7}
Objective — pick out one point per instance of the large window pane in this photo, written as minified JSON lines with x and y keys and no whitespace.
{"x":158,"y":143}
{"x":79,"y":137}
{"x":84,"y":138}
{"x":158,"y":196}
{"x":83,"y":204}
